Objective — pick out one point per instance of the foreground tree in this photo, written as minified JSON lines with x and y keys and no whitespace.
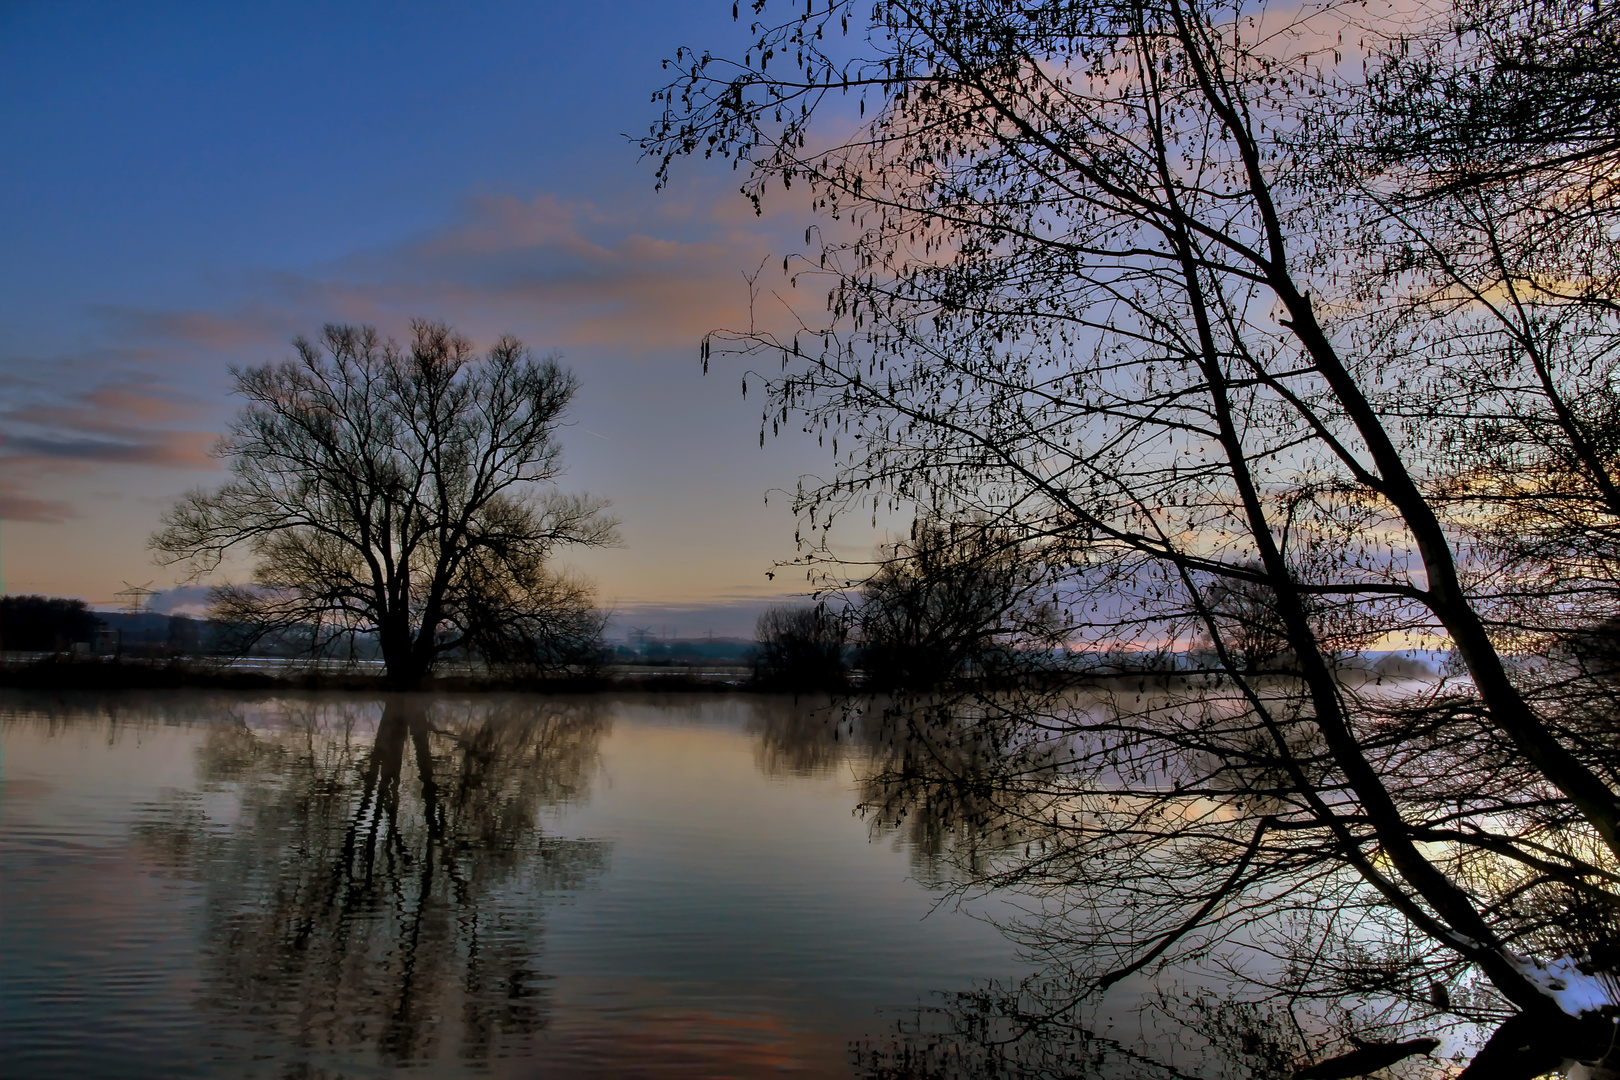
{"x":405,"y":494}
{"x":1105,"y":276}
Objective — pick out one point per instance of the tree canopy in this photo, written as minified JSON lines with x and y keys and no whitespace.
{"x":1168,"y":291}
{"x":801,"y":648}
{"x":405,"y":493}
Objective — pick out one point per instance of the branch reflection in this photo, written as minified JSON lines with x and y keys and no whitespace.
{"x":1184,"y":891}
{"x":389,"y":892}
{"x":939,"y":778}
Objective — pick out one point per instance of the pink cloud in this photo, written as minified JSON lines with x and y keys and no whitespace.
{"x":661,"y":272}
{"x":173,"y":449}
{"x":44,"y":511}
{"x":251,"y":325}
{"x":113,"y":408}
{"x":121,"y":421}
{"x":501,"y":223}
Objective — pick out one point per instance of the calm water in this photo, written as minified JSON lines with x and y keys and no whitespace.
{"x":332,"y":886}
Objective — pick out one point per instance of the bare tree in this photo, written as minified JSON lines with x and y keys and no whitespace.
{"x":801,"y":648}
{"x":956,"y":598}
{"x":1110,"y":282}
{"x":1246,"y":622}
{"x":406,"y":494}
{"x":1487,"y":92}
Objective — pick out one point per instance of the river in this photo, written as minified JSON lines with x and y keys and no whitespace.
{"x":328,"y":885}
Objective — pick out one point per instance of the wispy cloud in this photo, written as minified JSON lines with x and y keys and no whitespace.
{"x":564,"y":273}
{"x":79,"y":413}
{"x":25,"y":508}
{"x":121,"y":421}
{"x":174,"y":449}
{"x":249,"y":324}
{"x":637,"y":279}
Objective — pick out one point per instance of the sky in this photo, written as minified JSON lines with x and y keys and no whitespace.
{"x":188,"y":186}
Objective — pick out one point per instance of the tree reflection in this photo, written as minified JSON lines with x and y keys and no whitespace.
{"x":388,"y":892}
{"x":1126,"y":868}
{"x":797,"y":737}
{"x":933,"y":775}
{"x":1031,"y":1030}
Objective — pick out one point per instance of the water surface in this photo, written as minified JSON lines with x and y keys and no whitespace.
{"x":336,"y":886}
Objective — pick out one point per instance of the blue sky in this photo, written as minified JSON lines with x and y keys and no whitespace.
{"x":188,"y":186}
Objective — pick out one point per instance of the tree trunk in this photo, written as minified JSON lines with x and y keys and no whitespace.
{"x":405,"y":672}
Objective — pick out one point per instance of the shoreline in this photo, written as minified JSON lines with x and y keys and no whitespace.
{"x":69,"y":673}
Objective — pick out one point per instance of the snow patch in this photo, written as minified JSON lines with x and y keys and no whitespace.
{"x":1575,"y":991}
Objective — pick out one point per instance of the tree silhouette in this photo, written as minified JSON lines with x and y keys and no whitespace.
{"x":392,"y":493}
{"x":45,"y":623}
{"x":949,"y":601}
{"x":1124,"y":280}
{"x":801,"y":648}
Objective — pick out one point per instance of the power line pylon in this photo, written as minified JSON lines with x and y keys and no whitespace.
{"x":135,"y":597}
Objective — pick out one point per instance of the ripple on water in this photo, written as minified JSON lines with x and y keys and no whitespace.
{"x":222,"y":886}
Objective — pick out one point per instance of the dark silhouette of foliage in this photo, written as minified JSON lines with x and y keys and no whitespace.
{"x":956,"y":598}
{"x":1245,"y":629}
{"x":1497,"y":90}
{"x":1366,"y":1058}
{"x":801,"y":648}
{"x":31,"y":623}
{"x":403,"y":494}
{"x":1124,"y":279}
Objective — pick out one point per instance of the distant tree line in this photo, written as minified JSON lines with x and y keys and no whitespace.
{"x":58,"y":624}
{"x":32,"y":623}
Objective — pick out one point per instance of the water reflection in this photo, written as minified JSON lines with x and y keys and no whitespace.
{"x":963,"y":789}
{"x":1121,"y":878}
{"x":383,"y":888}
{"x":1034,"y":1029}
{"x":940,"y":779}
{"x":798,"y":737}
{"x":337,"y":886}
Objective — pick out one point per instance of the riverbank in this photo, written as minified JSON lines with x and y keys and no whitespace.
{"x":66,"y":672}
